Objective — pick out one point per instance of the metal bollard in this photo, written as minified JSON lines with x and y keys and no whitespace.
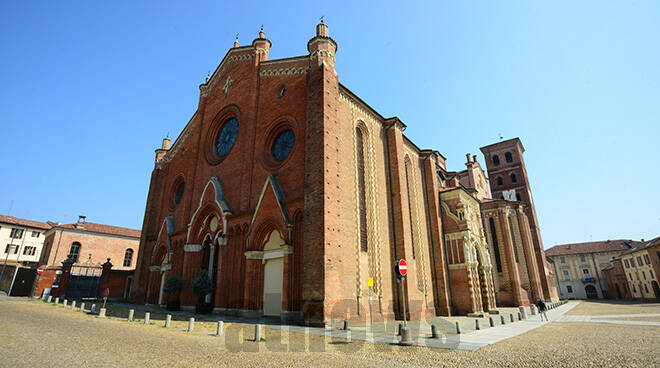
{"x":82,"y":307}
{"x":218,"y":332}
{"x":458,"y":328}
{"x":191,"y":324}
{"x":491,"y":321}
{"x":476,"y":325}
{"x":168,"y":319}
{"x":130,"y":315}
{"x":512,"y":320}
{"x":93,"y":309}
{"x":502,"y":319}
{"x":345,"y":325}
{"x":147,"y":317}
{"x":398,"y":333}
{"x":73,"y":305}
{"x":434,"y":332}
{"x":102,"y":313}
{"x":257,"y":333}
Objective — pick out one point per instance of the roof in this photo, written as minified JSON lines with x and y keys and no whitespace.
{"x":103,"y":229}
{"x":591,"y":247}
{"x":642,"y":246}
{"x":23,"y":222}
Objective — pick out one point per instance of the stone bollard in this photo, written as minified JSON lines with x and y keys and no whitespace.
{"x":434,"y":332}
{"x":82,"y":307}
{"x":257,"y":333}
{"x":512,"y":319}
{"x":102,"y":312}
{"x":57,"y":300}
{"x":50,"y":298}
{"x":168,"y":319}
{"x":532,"y":309}
{"x":73,"y":305}
{"x":147,"y":317}
{"x":502,"y":319}
{"x":191,"y":324}
{"x":405,"y":337}
{"x":93,"y":309}
{"x":131,"y":312}
{"x":523,"y":312}
{"x":65,"y":303}
{"x":218,"y":331}
{"x":476,"y":325}
{"x":458,"y":328}
{"x":491,"y":321}
{"x":519,"y":316}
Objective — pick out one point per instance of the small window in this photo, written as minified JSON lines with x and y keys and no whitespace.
{"x":634,"y":290}
{"x":566,"y":276}
{"x":29,"y":251}
{"x":644,"y":275}
{"x":496,"y":160}
{"x":508,"y":157}
{"x":646,"y":288}
{"x":518,"y":197}
{"x":582,"y":258}
{"x":647,"y":259}
{"x":499,"y":181}
{"x":625,"y":261}
{"x":513,"y":178}
{"x":74,"y":251}
{"x":639,"y":260}
{"x":632,"y":262}
{"x":562,"y":260}
{"x":11,"y":248}
{"x":16,"y":233}
{"x":585,"y":271}
{"x":128,"y":257}
{"x":35,"y":234}
{"x":569,"y":289}
{"x":651,"y":273}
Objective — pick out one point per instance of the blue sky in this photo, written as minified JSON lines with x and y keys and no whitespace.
{"x":89,"y":89}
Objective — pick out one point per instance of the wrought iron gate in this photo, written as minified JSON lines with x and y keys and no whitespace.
{"x":84,"y":282}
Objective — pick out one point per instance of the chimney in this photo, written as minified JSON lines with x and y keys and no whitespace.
{"x":81,"y":219}
{"x":474,"y":158}
{"x":160,"y":152}
{"x":261,"y":46}
{"x":166,"y":143}
{"x":468,"y":158}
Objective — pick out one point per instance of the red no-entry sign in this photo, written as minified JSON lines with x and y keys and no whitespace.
{"x":401,"y":267}
{"x":40,"y":270}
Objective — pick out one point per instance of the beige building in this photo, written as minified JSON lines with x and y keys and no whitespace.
{"x":578,"y":267}
{"x":639,"y":271}
{"x":21,"y":240}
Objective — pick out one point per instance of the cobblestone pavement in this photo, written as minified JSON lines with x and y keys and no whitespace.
{"x":36,"y":334}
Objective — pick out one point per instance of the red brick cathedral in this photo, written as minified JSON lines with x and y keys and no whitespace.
{"x":291,"y":192}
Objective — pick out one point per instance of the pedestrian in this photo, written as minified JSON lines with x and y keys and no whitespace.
{"x":542,"y":309}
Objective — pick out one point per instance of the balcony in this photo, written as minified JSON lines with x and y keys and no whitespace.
{"x":587,"y":279}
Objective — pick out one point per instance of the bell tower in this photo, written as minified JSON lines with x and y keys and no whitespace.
{"x":508,"y":179}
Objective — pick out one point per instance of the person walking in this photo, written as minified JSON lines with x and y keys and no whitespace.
{"x":542,"y":309}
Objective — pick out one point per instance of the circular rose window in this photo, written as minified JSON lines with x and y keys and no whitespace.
{"x":282,"y":145}
{"x":226,"y":137}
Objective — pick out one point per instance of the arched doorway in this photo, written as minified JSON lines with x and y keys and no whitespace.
{"x":656,"y":289}
{"x":273,"y":275}
{"x":591,"y":292}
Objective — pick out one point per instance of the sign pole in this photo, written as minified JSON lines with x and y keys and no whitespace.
{"x":403,"y":296}
{"x":371,"y":310}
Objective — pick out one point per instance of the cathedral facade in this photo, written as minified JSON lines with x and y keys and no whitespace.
{"x":292,"y":192}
